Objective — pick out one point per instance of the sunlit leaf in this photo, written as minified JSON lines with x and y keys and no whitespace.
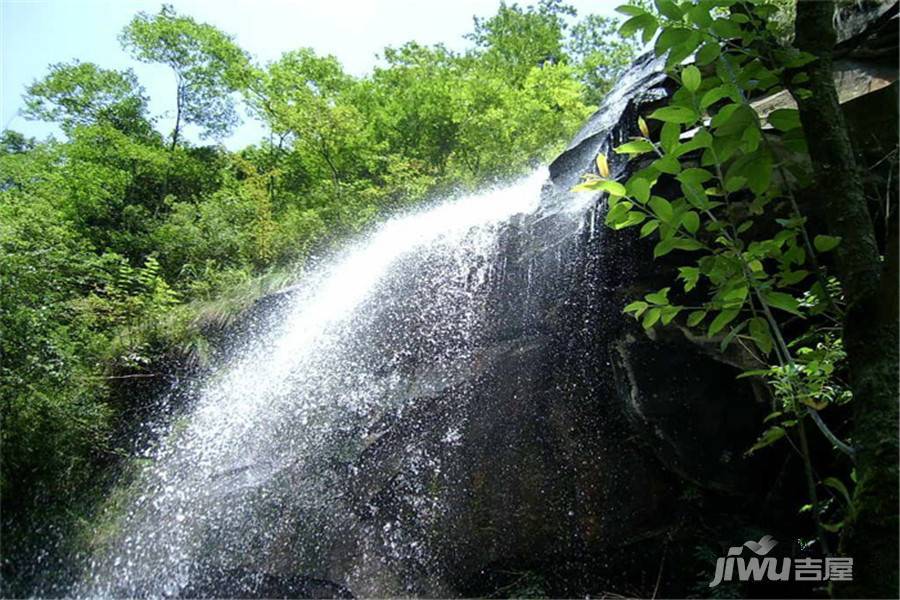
{"x":662,"y":208}
{"x":691,"y":78}
{"x":602,"y":165}
{"x":675,"y":114}
{"x":634,"y":147}
{"x":642,"y":126}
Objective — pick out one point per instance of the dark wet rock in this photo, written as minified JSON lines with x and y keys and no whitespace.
{"x":217,"y":582}
{"x":582,"y":448}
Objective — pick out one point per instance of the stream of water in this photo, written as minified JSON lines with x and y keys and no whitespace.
{"x":250,"y":478}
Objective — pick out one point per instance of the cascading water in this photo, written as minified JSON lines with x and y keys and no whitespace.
{"x":259,"y":476}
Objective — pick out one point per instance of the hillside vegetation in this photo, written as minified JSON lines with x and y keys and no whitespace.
{"x":116,"y":238}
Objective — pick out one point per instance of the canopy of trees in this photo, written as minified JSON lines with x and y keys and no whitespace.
{"x":115,"y":237}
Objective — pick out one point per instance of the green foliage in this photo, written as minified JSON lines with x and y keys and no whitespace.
{"x":748,"y":272}
{"x":208,"y":66}
{"x":117,"y":245}
{"x":518,"y":39}
{"x":84,"y":94}
{"x":599,"y":54}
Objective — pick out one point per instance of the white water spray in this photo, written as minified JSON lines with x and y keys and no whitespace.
{"x":248,"y":479}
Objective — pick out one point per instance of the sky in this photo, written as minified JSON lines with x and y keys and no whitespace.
{"x":36,"y":33}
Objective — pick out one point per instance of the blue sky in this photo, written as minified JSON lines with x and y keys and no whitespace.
{"x":36,"y":33}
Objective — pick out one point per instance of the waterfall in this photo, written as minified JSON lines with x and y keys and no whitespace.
{"x":261,"y":475}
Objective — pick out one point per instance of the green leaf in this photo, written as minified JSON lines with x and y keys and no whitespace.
{"x":734,"y":182}
{"x":686,"y":244}
{"x":691,"y":78}
{"x":695,"y":176}
{"x":651,"y":317}
{"x":758,"y":373}
{"x":662,"y":208}
{"x":699,"y":15}
{"x":754,"y":170}
{"x":670,"y":37}
{"x":824,"y":243}
{"x":663,"y":247}
{"x":774,"y":414}
{"x":658,"y":297}
{"x":784,"y":119}
{"x":637,"y":307}
{"x":750,"y":139}
{"x":669,"y":9}
{"x":634,"y":147}
{"x":759,"y":172}
{"x":668,"y":137}
{"x":630,"y":10}
{"x":667,"y":164}
{"x":618,"y":213}
{"x":695,"y":195}
{"x":708,"y":53}
{"x":601,"y":185}
{"x":726,"y":341}
{"x":737,"y":294}
{"x":783,"y":301}
{"x":717,"y":93}
{"x":669,"y":313}
{"x":724,"y":114}
{"x":690,"y":276}
{"x":726,"y":28}
{"x":696,"y":317}
{"x":630,"y":220}
{"x":639,"y":188}
{"x":683,"y":50}
{"x":792,"y":277}
{"x":649,"y":227}
{"x":675,"y":114}
{"x":701,"y":139}
{"x":759,"y":331}
{"x":690,"y":221}
{"x":769,"y":437}
{"x":636,"y":23}
{"x":722,"y":319}
{"x":800,"y":59}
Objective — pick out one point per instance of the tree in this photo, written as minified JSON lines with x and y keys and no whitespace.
{"x":870,"y":329}
{"x":13,"y":142}
{"x":517,"y":39}
{"x":739,"y":214}
{"x":302,"y":95}
{"x":78,"y":93}
{"x":408,"y":104}
{"x":207,"y":64}
{"x":599,"y":53}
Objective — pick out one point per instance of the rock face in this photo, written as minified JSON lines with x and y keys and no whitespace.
{"x":575,"y":434}
{"x":585,"y":451}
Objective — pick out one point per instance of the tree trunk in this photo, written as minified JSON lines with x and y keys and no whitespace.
{"x":177,"y":129}
{"x":871,"y":323}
